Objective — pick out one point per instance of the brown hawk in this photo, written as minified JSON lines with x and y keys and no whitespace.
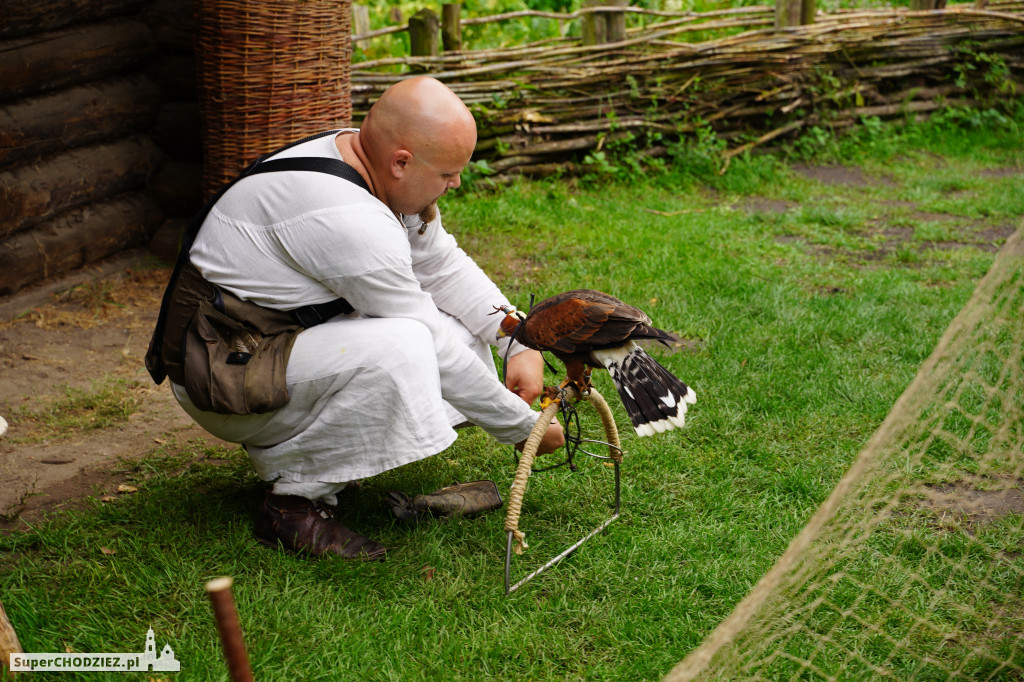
{"x":586,"y":328}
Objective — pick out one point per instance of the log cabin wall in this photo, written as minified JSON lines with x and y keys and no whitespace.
{"x":177,"y":132}
{"x":99,"y":131}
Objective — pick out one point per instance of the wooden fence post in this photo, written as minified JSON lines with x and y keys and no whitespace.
{"x":604,"y":27}
{"x":424,"y":29}
{"x":451,"y":28}
{"x":615,"y":22}
{"x":423,"y":33}
{"x":927,"y":4}
{"x":794,"y":12}
{"x":592,"y":28}
{"x":807,"y":11}
{"x":360,"y":23}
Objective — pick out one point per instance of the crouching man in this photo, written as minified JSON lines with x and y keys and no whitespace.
{"x":383,"y":347}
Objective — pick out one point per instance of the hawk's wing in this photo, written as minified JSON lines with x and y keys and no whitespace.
{"x":582,"y":320}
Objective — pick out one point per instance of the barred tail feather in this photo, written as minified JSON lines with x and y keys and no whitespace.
{"x":654,"y":399}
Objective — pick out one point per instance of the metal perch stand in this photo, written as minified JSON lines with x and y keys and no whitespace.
{"x":515,"y":502}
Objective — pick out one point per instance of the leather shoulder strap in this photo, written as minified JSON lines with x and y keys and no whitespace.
{"x":316,"y":164}
{"x":264,"y":164}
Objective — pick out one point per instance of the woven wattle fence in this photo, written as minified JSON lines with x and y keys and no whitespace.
{"x":269,"y":72}
{"x":541,"y":107}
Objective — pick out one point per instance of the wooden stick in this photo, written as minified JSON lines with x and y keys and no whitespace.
{"x":753,"y":11}
{"x":230,"y":630}
{"x":9,"y":643}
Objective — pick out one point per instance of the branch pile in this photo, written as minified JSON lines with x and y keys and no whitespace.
{"x":541,"y":107}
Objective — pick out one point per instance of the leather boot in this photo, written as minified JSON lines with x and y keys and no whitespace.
{"x":461,"y":498}
{"x":309,"y":527}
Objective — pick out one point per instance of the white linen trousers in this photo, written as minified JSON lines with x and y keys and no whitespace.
{"x":365,"y":397}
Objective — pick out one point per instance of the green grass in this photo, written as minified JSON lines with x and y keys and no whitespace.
{"x":807,"y":325}
{"x":108,"y":402}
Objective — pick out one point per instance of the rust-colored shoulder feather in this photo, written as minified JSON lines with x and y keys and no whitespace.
{"x":565,"y":321}
{"x":586,"y":319}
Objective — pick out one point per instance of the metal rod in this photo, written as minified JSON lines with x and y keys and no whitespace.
{"x":570,"y":550}
{"x":599,"y":442}
{"x":612,"y":435}
{"x":508,"y":562}
{"x":618,"y":489}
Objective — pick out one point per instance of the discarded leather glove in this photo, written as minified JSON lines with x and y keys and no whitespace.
{"x":461,"y":498}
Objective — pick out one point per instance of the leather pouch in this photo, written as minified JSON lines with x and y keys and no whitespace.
{"x":229,"y":366}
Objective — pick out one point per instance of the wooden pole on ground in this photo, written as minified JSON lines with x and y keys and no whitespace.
{"x":230,"y":630}
{"x":8,"y":644}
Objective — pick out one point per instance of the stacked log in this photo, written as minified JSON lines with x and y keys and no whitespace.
{"x":75,"y":106}
{"x":541,"y":108}
{"x":177,"y":131}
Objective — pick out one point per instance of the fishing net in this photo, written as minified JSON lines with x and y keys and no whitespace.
{"x":913,"y":568}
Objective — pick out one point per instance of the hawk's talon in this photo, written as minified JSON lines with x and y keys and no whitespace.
{"x":552,"y":394}
{"x":587,"y":386}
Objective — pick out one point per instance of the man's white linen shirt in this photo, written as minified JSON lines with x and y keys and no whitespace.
{"x":289,"y":239}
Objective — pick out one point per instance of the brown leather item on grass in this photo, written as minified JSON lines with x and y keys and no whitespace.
{"x":309,"y":527}
{"x":461,"y":498}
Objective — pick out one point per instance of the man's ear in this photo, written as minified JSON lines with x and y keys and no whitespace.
{"x":399,"y":162}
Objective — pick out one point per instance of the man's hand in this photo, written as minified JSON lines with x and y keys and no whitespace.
{"x":553,"y":439}
{"x":524,"y":375}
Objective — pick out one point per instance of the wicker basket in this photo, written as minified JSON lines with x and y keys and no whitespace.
{"x":269,"y":72}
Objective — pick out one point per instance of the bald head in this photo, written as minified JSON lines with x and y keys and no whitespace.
{"x":422,"y":115}
{"x":415,"y":141}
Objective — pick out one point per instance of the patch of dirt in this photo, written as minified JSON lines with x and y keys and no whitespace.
{"x":932,"y":217}
{"x":766,"y":205}
{"x":902,"y":203}
{"x":968,"y":503}
{"x":838,"y":175}
{"x":1001,"y":172}
{"x":890,"y":240}
{"x":78,"y":332}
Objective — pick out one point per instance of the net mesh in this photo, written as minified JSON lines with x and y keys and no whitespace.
{"x":914,"y":566}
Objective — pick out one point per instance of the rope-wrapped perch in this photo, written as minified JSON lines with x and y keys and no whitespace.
{"x":515,"y":500}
